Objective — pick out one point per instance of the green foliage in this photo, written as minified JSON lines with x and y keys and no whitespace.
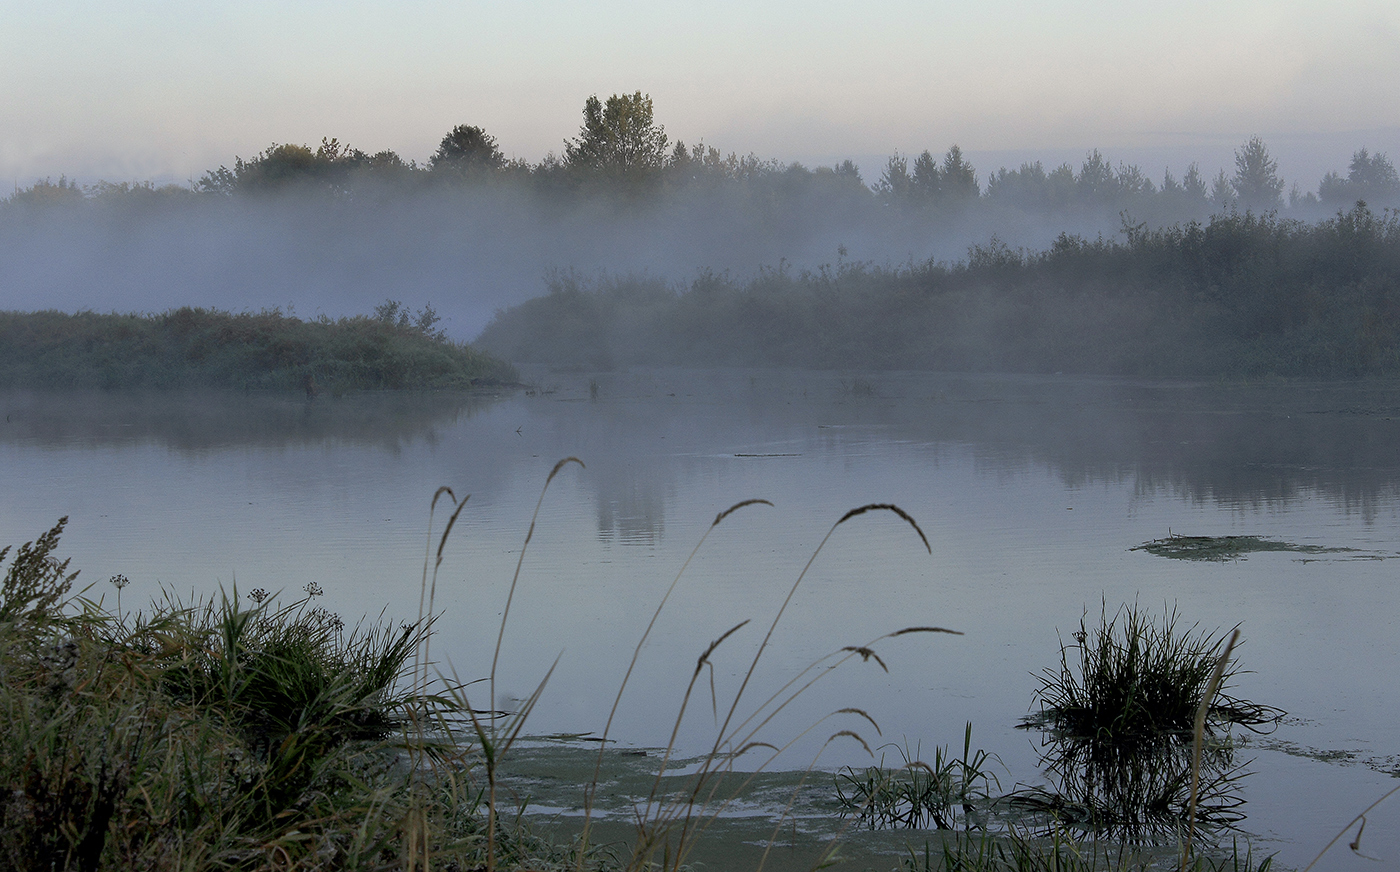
{"x":331,"y":168}
{"x":918,"y":794}
{"x":1244,"y":295}
{"x":1371,"y":178}
{"x":1136,"y":682}
{"x":37,"y":583}
{"x":189,"y":347}
{"x":217,"y":737}
{"x":619,"y":138}
{"x":1256,"y":181}
{"x":467,"y":152}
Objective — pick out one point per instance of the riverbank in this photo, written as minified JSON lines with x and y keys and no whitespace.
{"x":1242,"y":296}
{"x":208,"y":348}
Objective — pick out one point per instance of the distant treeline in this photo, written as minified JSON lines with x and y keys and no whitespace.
{"x":1241,"y":295}
{"x":265,"y":350}
{"x":621,"y":151}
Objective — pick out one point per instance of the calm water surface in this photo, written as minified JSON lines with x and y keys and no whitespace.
{"x":1032,"y":493}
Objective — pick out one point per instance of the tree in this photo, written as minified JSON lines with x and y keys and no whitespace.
{"x":1222,"y":193}
{"x":1371,"y":178}
{"x":1256,"y":181}
{"x":467,"y":150}
{"x":619,"y":137}
{"x":895,"y":185}
{"x":332,"y":167}
{"x":958,"y":180}
{"x":927,"y":179}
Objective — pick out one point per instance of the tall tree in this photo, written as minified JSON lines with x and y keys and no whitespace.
{"x":1371,"y":178}
{"x":619,"y":137}
{"x":958,"y":180}
{"x":895,"y":185}
{"x":1256,"y":181}
{"x":927,"y":179}
{"x":467,"y":150}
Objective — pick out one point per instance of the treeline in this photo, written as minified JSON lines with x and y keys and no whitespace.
{"x":189,"y":347}
{"x":1242,"y":295}
{"x":621,"y":150}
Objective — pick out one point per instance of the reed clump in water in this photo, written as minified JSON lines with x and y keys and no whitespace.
{"x":1132,"y":699}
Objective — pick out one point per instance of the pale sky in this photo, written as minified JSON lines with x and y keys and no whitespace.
{"x":166,"y":90}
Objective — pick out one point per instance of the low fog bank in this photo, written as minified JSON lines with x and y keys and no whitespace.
{"x":466,"y":253}
{"x":335,"y":231}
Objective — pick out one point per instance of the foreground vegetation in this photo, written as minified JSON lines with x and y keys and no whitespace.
{"x":246,"y":735}
{"x":1243,"y":295}
{"x":265,"y":350}
{"x":220,"y":735}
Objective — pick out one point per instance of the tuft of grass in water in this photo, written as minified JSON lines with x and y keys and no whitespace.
{"x":1133,"y":681}
{"x":1137,"y":720}
{"x":919,"y":795}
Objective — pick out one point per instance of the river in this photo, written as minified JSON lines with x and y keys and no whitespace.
{"x":1032,"y":492}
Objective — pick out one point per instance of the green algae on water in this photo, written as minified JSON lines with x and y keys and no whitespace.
{"x":1223,"y":548}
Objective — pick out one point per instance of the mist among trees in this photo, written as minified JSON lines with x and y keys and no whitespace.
{"x":334,"y":229}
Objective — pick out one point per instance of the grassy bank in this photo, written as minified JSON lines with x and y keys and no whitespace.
{"x":1242,"y":295}
{"x":210,"y":348}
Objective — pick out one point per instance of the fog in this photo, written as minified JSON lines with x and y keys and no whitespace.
{"x":467,"y":256}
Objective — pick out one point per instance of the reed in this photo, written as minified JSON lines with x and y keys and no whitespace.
{"x":669,"y":824}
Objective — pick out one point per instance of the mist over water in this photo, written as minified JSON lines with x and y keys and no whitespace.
{"x":467,"y":256}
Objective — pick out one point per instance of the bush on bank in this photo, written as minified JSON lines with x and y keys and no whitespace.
{"x":189,"y":347}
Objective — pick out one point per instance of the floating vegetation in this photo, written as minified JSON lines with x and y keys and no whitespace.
{"x":1223,"y":548}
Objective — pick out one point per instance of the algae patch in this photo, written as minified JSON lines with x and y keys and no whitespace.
{"x":1223,"y":548}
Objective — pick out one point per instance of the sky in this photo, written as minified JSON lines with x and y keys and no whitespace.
{"x":163,"y":91}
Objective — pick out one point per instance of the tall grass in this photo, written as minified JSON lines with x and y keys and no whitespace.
{"x":670,"y":822}
{"x":207,"y":735}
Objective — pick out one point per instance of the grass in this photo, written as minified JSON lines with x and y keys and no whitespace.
{"x":266,"y":350}
{"x":238,"y":733}
{"x":223,"y":734}
{"x":1137,"y":720}
{"x":942,"y":794}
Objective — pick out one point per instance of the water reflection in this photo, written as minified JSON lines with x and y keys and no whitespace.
{"x":1139,"y":793}
{"x":195,"y":420}
{"x":1243,"y":446}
